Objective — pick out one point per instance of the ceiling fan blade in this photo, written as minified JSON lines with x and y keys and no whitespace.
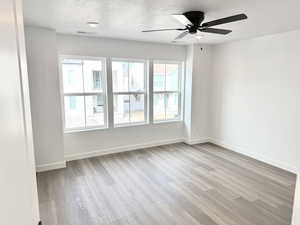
{"x":225,"y":20}
{"x":215,"y":31}
{"x":163,"y":30}
{"x":182,"y":19}
{"x":182,"y":35}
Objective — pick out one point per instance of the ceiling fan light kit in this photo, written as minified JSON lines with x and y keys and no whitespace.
{"x":192,"y":21}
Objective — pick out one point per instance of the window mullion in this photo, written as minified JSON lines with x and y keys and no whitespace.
{"x":104,"y":90}
{"x":84,"y":94}
{"x":84,"y":110}
{"x":165,"y":98}
{"x":165,"y":77}
{"x":166,"y":92}
{"x":84,"y":101}
{"x":129,"y":108}
{"x":165,"y":102}
{"x":179,"y":105}
{"x":128,"y":76}
{"x":128,"y":91}
{"x":110,"y":95}
{"x":151,"y":94}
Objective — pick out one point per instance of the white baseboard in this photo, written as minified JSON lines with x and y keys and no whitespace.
{"x":120,"y":149}
{"x":51,"y":166}
{"x":238,"y":149}
{"x":196,"y":141}
{"x":248,"y":153}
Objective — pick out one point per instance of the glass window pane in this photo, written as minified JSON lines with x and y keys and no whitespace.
{"x":159,"y":82}
{"x":159,"y":107}
{"x":94,"y":106}
{"x":137,"y":108}
{"x":74,"y":111}
{"x":172,"y":73}
{"x":136,"y":76}
{"x":72,"y":76}
{"x":121,"y":109}
{"x":172,"y":107}
{"x":93,"y":75}
{"x":120,"y":76}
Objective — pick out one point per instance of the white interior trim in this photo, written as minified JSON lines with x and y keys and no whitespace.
{"x":195,"y":141}
{"x":60,"y":165}
{"x":247,"y":152}
{"x":230,"y":147}
{"x":121,"y":149}
{"x":51,"y":166}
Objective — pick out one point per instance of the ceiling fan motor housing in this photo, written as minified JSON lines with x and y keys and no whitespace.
{"x":196,"y":17}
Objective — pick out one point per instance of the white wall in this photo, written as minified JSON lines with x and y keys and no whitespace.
{"x":198,"y":70}
{"x":243,"y":95}
{"x":43,"y":47}
{"x":117,"y":139}
{"x":254,"y":103}
{"x":88,"y":46}
{"x":19,"y":204}
{"x":200,"y":92}
{"x":45,"y":97}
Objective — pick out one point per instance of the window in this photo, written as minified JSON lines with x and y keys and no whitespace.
{"x":129,"y":91}
{"x":84,"y":93}
{"x":166,"y":91}
{"x":97,"y":79}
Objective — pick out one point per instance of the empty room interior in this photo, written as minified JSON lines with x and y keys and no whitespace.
{"x":147,"y":112}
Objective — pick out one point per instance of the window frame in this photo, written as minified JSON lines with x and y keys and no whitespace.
{"x":145,"y":92}
{"x":104,"y":93}
{"x":180,"y":91}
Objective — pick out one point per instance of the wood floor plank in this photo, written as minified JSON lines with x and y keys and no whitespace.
{"x":174,"y":184}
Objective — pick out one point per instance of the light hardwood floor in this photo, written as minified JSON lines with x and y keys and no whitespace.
{"x":174,"y":184}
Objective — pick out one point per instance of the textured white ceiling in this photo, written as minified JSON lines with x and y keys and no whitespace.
{"x":125,"y":19}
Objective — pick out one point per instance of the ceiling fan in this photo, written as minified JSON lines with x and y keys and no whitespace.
{"x":192,"y":21}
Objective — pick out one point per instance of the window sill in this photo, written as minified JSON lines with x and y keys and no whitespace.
{"x":122,"y":126}
{"x":130,"y":124}
{"x":147,"y":123}
{"x":84,"y":130}
{"x":167,"y":121}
